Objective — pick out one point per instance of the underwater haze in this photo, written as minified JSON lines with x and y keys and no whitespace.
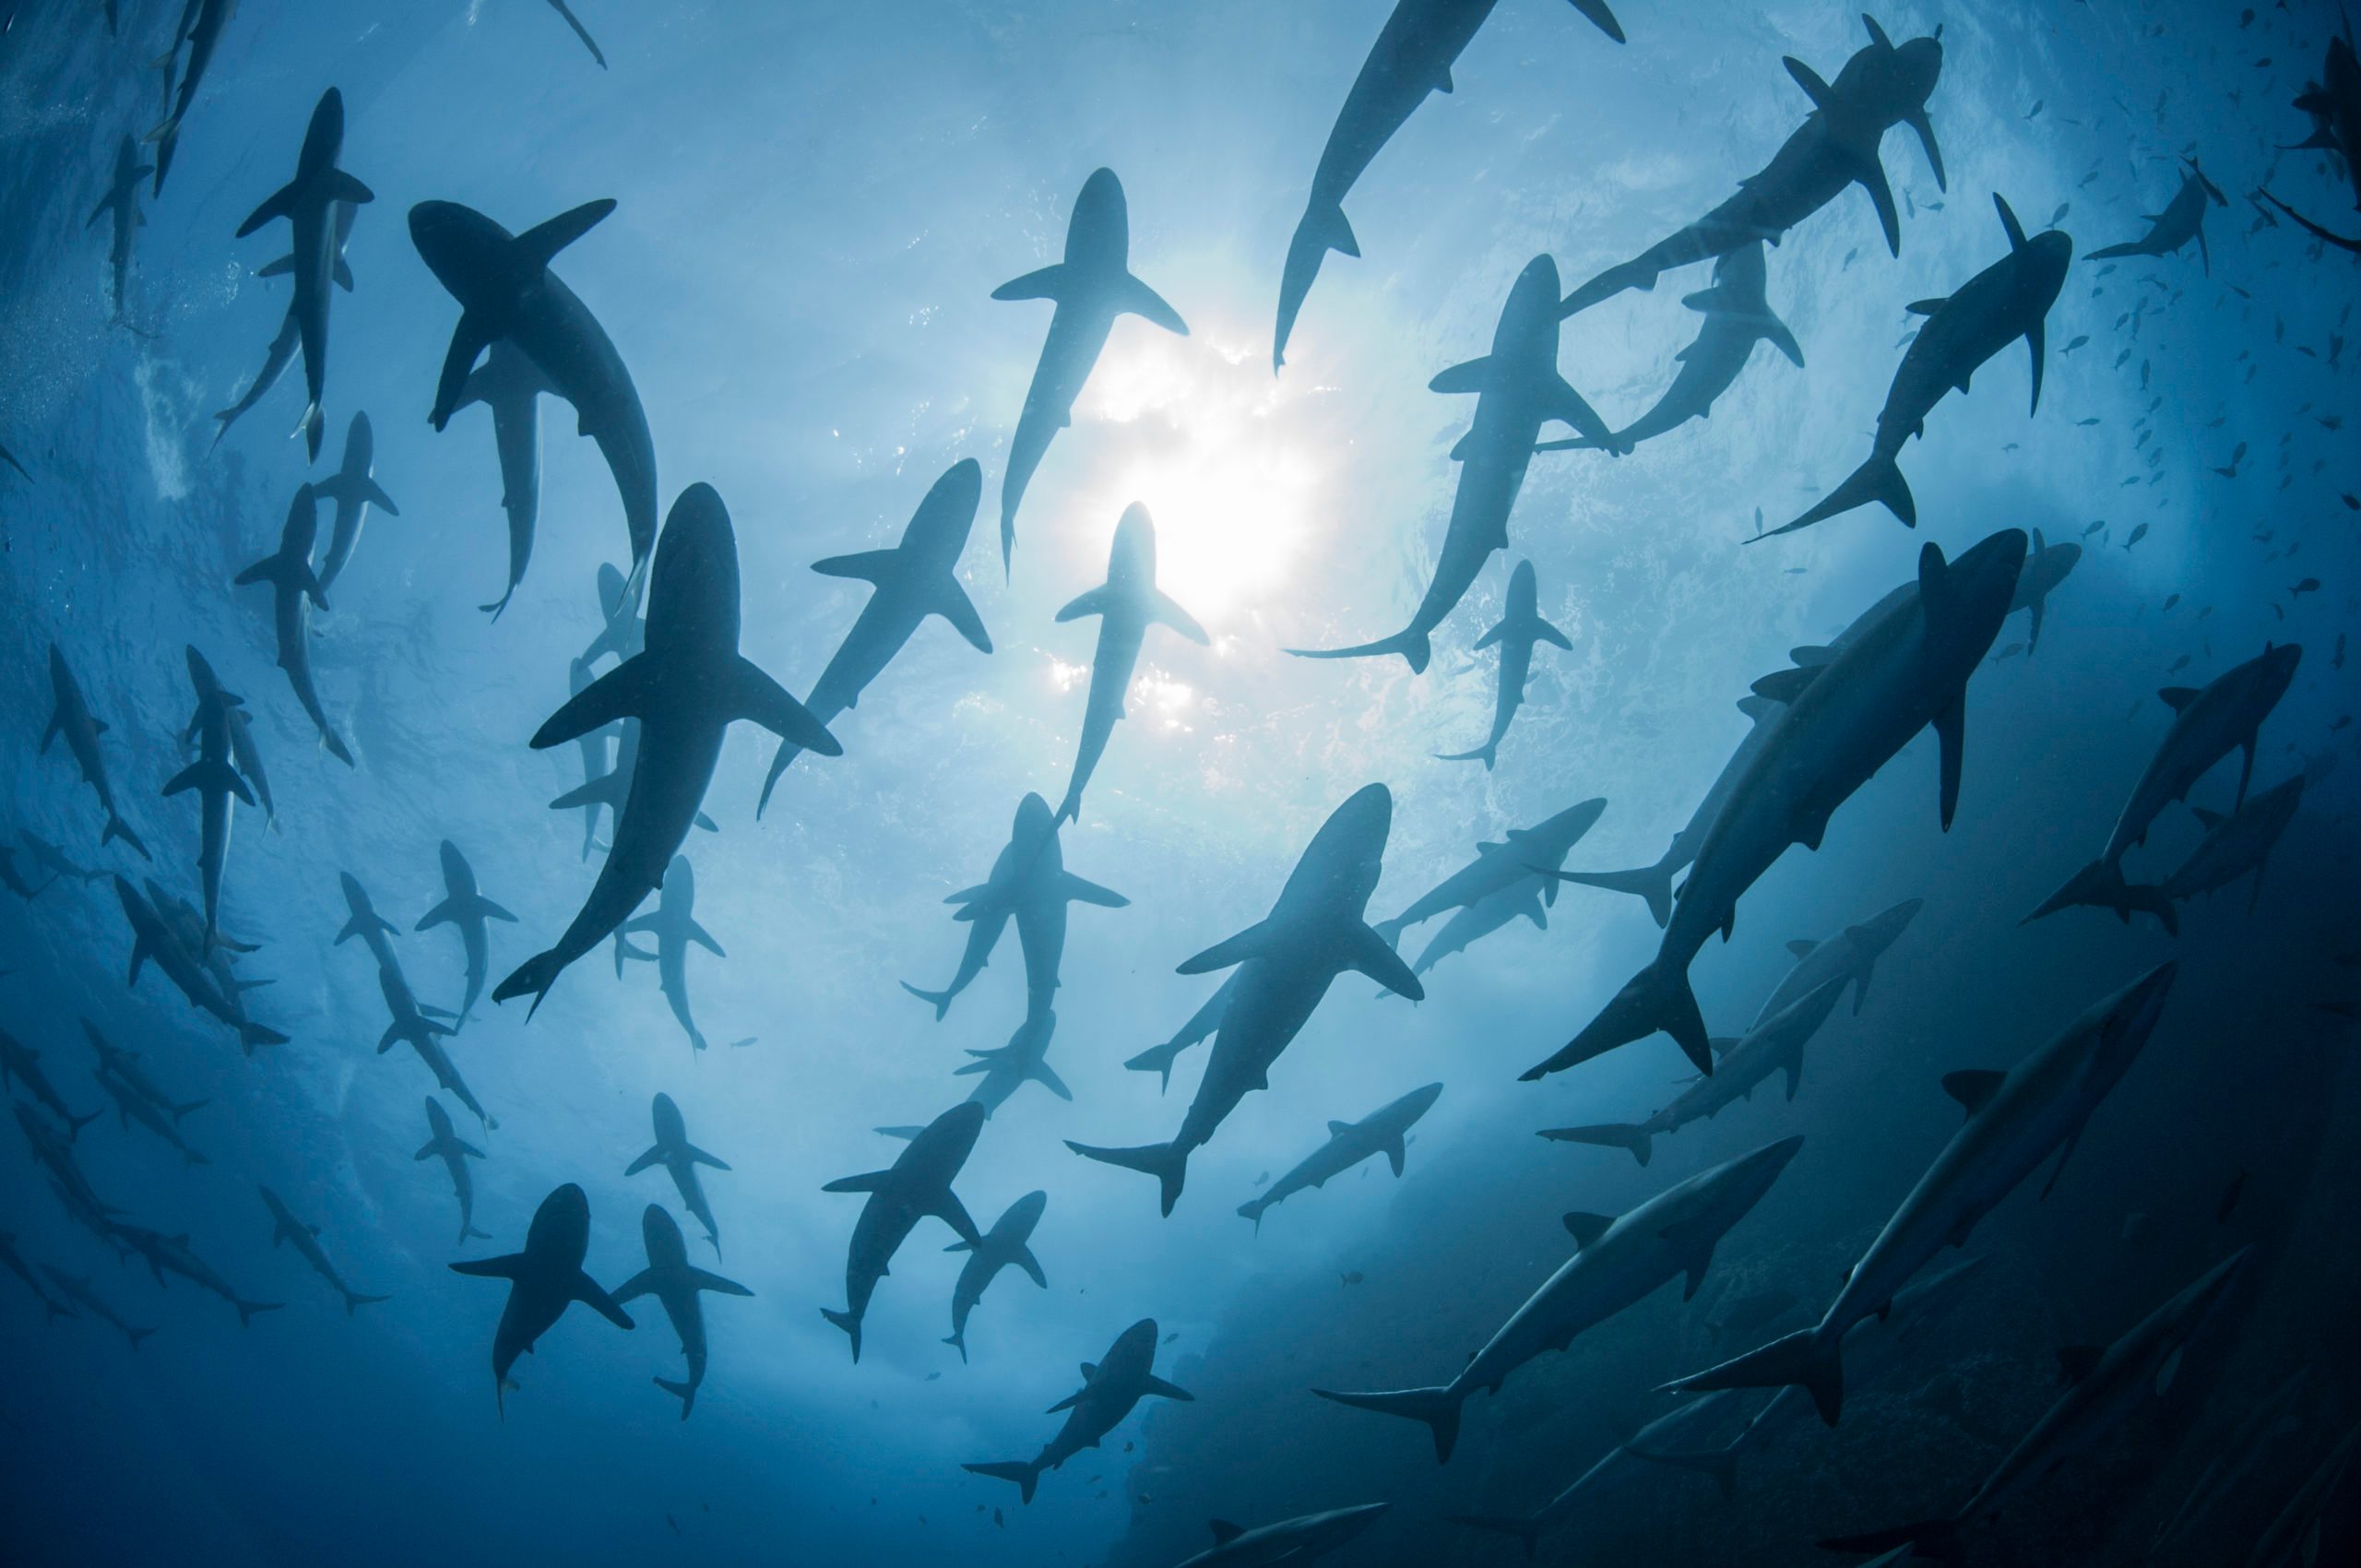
{"x":1700,"y":425}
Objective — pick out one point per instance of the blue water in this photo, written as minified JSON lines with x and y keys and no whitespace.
{"x":814,"y":206}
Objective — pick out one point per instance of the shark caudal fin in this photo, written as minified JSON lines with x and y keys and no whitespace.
{"x":1322,"y":229}
{"x":686,"y":1392}
{"x":1411,"y":644}
{"x":1719,"y":1462}
{"x":958,"y":1341}
{"x":1658,"y":997}
{"x":251,"y":1035}
{"x":2130,"y":247}
{"x":532,"y":977}
{"x":850,"y":1323}
{"x":354,"y":1300}
{"x":1024,"y":1472}
{"x":1252,"y":1209}
{"x":1527,"y":1532}
{"x":1485,"y":753}
{"x":939,"y":1000}
{"x":74,"y":1124}
{"x":1168,"y":1163}
{"x":247,"y":1309}
{"x":1800,"y":1358}
{"x":1614,"y":1134}
{"x":1928,"y":1538}
{"x":1877,"y":479}
{"x":1158,"y":1059}
{"x":136,"y":1335}
{"x":467,"y":1229}
{"x":1653,"y":884}
{"x":118,"y":828}
{"x":2100,"y":886}
{"x":1438,"y":1408}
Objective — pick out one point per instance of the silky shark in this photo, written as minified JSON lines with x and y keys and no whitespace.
{"x":1883,"y":86}
{"x":1285,"y":962}
{"x":1023,"y":1060}
{"x":562,"y":10}
{"x":2208,"y":725}
{"x":466,"y":910}
{"x":171,"y":1254}
{"x":2045,"y":567}
{"x":54,"y":1151}
{"x":676,"y":1285}
{"x":296,"y":593}
{"x":1412,"y":57}
{"x":132,"y":1106}
{"x":1158,"y":1059}
{"x":1613,"y":1467}
{"x":354,"y":489}
{"x":1030,"y":885}
{"x":2008,"y":300}
{"x":152,"y":939}
{"x":1851,"y":954}
{"x":1518,"y":390}
{"x":684,"y":689}
{"x":1902,"y":669}
{"x":1518,"y":630}
{"x":2333,"y":104}
{"x":52,"y":1307}
{"x":680,"y":1160}
{"x":124,"y":1068}
{"x":2104,"y":1385}
{"x":1773,"y":1044}
{"x":1127,"y":603}
{"x":1381,"y":1132}
{"x":306,"y":202}
{"x":245,"y":756}
{"x":917,"y":578}
{"x":673,"y":925}
{"x":1293,"y":1543}
{"x":506,"y":291}
{"x":1618,"y":1262}
{"x":281,"y":352}
{"x":215,"y":778}
{"x":52,"y":859}
{"x":1490,"y":913}
{"x":76,"y":1289}
{"x":1737,"y":316}
{"x":2182,"y":219}
{"x":1120,"y":1380}
{"x":543,"y":1280}
{"x":1091,"y":287}
{"x":510,"y":384}
{"x":917,"y":1185}
{"x":70,"y":717}
{"x":21,"y":1064}
{"x":2015,"y":1120}
{"x":13,"y":880}
{"x":361,"y":920}
{"x":1008,"y":1244}
{"x":200,"y":29}
{"x":454,"y":1151}
{"x":409,"y":1025}
{"x":122,"y":203}
{"x":2235,"y":845}
{"x":285,"y":1227}
{"x":599,"y":787}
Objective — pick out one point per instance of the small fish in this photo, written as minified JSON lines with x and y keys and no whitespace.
{"x":1171,"y":1336}
{"x":2079,"y":340}
{"x":2178,"y":665}
{"x":1353,"y":1278}
{"x":2309,"y":585}
{"x":2036,"y":107}
{"x":2059,"y":216}
{"x":2097,"y":526}
{"x":2137,"y":535}
{"x":2171,"y":600}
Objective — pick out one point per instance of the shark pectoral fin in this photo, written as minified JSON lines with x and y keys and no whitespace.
{"x":2064,"y":1154}
{"x":1809,"y":81}
{"x":345,"y":188}
{"x":1068,"y":1403}
{"x":1095,"y":602}
{"x":469,"y":340}
{"x":1368,"y":952}
{"x":1394,"y":1155}
{"x":704,"y":939}
{"x":878,"y":566}
{"x":508,"y":1267}
{"x":652,"y":1157}
{"x":1569,"y":407}
{"x":1488,"y":639}
{"x":1046,"y":284}
{"x":1032,"y":1266}
{"x":1471,"y":376}
{"x":1231,"y":952}
{"x":699,"y":1156}
{"x":1951,"y":736}
{"x":874,"y":1182}
{"x":638,"y":1284}
{"x":1775,"y":332}
{"x":950,"y":602}
{"x":1543,"y":632}
{"x":592,"y":1294}
{"x":1138,"y":298}
{"x":1918,"y":120}
{"x":953,"y":1212}
{"x":1869,"y":175}
{"x":541,"y":242}
{"x":1164,"y":1390}
{"x":750,"y":695}
{"x":2037,"y":341}
{"x":342,"y":273}
{"x":1049,"y":1080}
{"x":281,"y":203}
{"x":704,"y":1280}
{"x":1080,"y":890}
{"x":623,"y":692}
{"x":1165,"y":608}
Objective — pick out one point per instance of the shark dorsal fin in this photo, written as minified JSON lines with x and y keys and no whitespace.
{"x":1801,"y":947}
{"x":1877,"y":33}
{"x":1337,"y":1127}
{"x":1223,"y":1531}
{"x":1587,"y":1228}
{"x":1973,"y":1087}
{"x":2178,"y":698}
{"x":2075,"y":1361}
{"x":2009,"y":222}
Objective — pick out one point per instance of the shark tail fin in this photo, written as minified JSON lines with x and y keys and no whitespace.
{"x":686,"y":1392}
{"x":958,"y":1341}
{"x":1879,"y":479}
{"x":1929,"y":1538}
{"x":1158,"y":1059}
{"x":2131,"y":247}
{"x":247,"y":1309}
{"x":1411,"y":644}
{"x":532,"y":977}
{"x":136,"y":1335}
{"x":1438,"y":1408}
{"x":251,"y":1035}
{"x":1024,"y":1472}
{"x":467,"y":1229}
{"x":1658,"y":997}
{"x":118,"y":828}
{"x":939,"y":1000}
{"x":1322,"y":228}
{"x":1800,"y":1358}
{"x":354,"y":1300}
{"x":1528,"y":1533}
{"x":1719,"y":1462}
{"x":1485,"y":753}
{"x":1252,"y":1209}
{"x":850,"y":1323}
{"x":73,"y":1126}
{"x":2101,"y":886}
{"x":1614,"y":1134}
{"x":1168,"y":1163}
{"x":1653,"y":884}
